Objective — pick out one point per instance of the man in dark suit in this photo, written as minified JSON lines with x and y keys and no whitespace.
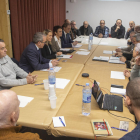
{"x":66,"y":40}
{"x":86,"y":29}
{"x":32,"y":59}
{"x":118,"y":31}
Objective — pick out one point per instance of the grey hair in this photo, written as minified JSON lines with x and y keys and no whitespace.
{"x":1,"y":40}
{"x":38,"y":37}
{"x":137,"y":36}
{"x":72,"y":21}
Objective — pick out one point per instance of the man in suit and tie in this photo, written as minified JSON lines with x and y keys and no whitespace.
{"x":32,"y":59}
{"x":67,"y":42}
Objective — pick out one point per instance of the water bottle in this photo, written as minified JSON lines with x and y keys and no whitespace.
{"x":106,"y":31}
{"x":86,"y":104}
{"x":90,"y":41}
{"x":52,"y":82}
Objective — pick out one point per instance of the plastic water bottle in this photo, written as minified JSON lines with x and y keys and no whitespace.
{"x":106,"y":31}
{"x":86,"y":105}
{"x":51,"y":77}
{"x":90,"y":41}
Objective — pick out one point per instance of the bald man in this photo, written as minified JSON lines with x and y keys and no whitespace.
{"x":132,"y":26}
{"x":86,"y":29}
{"x":9,"y":114}
{"x":118,"y":30}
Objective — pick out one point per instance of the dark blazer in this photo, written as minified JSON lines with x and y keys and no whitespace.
{"x":31,"y":59}
{"x":47,"y":52}
{"x":66,"y":43}
{"x":89,"y":30}
{"x":119,"y":34}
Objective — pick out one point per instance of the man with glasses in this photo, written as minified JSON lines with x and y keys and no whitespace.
{"x":32,"y":59}
{"x":74,"y":30}
{"x":86,"y":29}
{"x":102,"y":31}
{"x":9,"y":71}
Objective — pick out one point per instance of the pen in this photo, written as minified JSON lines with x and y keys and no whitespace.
{"x":119,"y":129}
{"x":124,"y":96}
{"x":39,"y":84}
{"x":59,"y":59}
{"x":79,"y":85}
{"x":71,"y":56}
{"x":61,"y":121}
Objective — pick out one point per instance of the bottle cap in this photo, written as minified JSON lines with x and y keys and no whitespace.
{"x":87,"y":84}
{"x":51,"y":68}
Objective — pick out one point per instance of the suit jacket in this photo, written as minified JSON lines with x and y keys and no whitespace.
{"x":31,"y":59}
{"x":89,"y":30}
{"x":47,"y":52}
{"x":119,"y":34}
{"x":55,"y":46}
{"x":66,"y":43}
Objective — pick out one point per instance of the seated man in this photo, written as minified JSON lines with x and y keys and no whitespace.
{"x":137,"y":29}
{"x":66,"y":40}
{"x":74,"y":30}
{"x":32,"y":59}
{"x":86,"y":29}
{"x":118,"y":31}
{"x":133,"y":104}
{"x":9,"y":71}
{"x":9,"y":114}
{"x":132,"y":26}
{"x":102,"y":31}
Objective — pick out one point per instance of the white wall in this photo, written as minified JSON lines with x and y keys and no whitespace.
{"x":93,"y":11}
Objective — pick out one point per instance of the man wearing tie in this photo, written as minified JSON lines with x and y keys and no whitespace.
{"x":66,"y":40}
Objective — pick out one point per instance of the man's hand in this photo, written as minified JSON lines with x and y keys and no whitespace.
{"x":100,"y":35}
{"x":118,"y":54}
{"x":118,"y":50}
{"x":31,"y":79}
{"x":75,"y":43}
{"x":129,"y":40}
{"x":123,"y":59}
{"x":54,"y":62}
{"x":127,"y":73}
{"x":125,"y":102}
{"x":117,"y":28}
{"x":59,"y":53}
{"x":128,"y":29}
{"x":138,"y":61}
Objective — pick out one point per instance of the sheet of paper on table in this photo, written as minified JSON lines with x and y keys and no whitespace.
{"x":64,"y":49}
{"x":117,"y":75}
{"x":82,"y":52}
{"x":118,"y":91}
{"x":57,"y":122}
{"x":104,"y":43}
{"x":61,"y":83}
{"x":77,"y":46}
{"x":56,"y":69}
{"x":108,"y":52}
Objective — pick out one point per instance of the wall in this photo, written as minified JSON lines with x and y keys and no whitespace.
{"x":5,"y":31}
{"x":93,"y":11}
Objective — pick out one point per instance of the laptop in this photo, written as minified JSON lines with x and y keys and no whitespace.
{"x":106,"y":101}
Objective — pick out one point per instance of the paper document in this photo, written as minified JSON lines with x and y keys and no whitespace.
{"x":114,"y":58}
{"x":77,"y":46}
{"x":24,"y":100}
{"x":104,"y":43}
{"x":82,"y":52}
{"x":65,"y":56}
{"x":63,"y":49}
{"x":108,"y":52}
{"x":101,"y":58}
{"x":122,"y":47}
{"x":116,"y":61}
{"x":61,"y":83}
{"x":118,"y":91}
{"x":117,"y":75}
{"x":57,"y":122}
{"x":56,"y":69}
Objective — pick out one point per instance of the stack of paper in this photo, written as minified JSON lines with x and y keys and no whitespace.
{"x":65,"y":56}
{"x":115,"y":60}
{"x":77,"y":46}
{"x":56,"y":69}
{"x":82,"y":52}
{"x":24,"y":100}
{"x":101,"y":58}
{"x":117,"y":75}
{"x":122,"y":47}
{"x":118,"y":91}
{"x":108,"y":52}
{"x":61,"y":83}
{"x":64,"y":49}
{"x":57,"y":122}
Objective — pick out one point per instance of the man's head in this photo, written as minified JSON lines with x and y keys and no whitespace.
{"x":119,"y":22}
{"x":131,"y":35}
{"x":102,"y":23}
{"x":9,"y":108}
{"x":137,"y":29}
{"x":85,"y":23}
{"x":3,"y":49}
{"x":73,"y":24}
{"x":136,"y":38}
{"x":132,"y":24}
{"x":66,"y":27}
{"x":39,"y":39}
{"x":136,"y":50}
{"x":67,"y":21}
{"x":57,"y":31}
{"x":133,"y":95}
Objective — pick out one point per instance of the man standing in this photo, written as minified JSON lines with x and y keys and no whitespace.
{"x":74,"y":30}
{"x":32,"y":59}
{"x":67,"y":42}
{"x":9,"y":71}
{"x":132,"y":26}
{"x":86,"y":29}
{"x":102,"y":31}
{"x":118,"y":31}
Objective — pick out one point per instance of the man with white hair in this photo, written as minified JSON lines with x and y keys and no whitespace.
{"x":132,"y":26}
{"x":9,"y":114}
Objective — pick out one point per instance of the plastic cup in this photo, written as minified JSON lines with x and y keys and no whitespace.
{"x":46,"y":84}
{"x":51,"y":90}
{"x":53,"y":101}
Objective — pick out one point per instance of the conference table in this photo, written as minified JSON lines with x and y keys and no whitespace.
{"x":38,"y":113}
